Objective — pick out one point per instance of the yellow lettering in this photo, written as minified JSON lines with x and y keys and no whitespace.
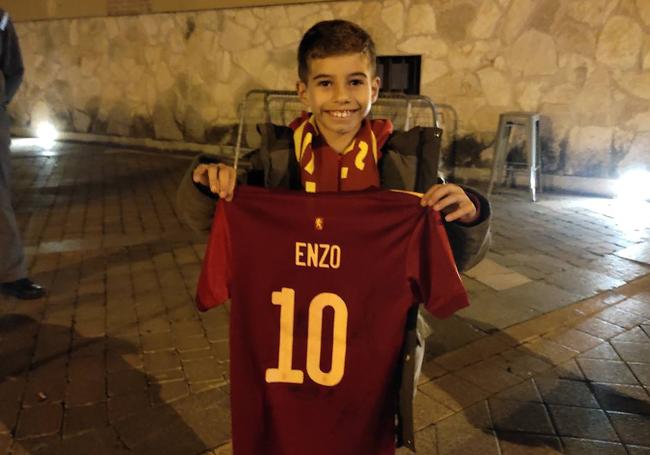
{"x":339,"y":339}
{"x":312,"y":255}
{"x":322,"y":264}
{"x":319,"y":255}
{"x":335,"y":257}
{"x":299,"y":254}
{"x":284,"y":373}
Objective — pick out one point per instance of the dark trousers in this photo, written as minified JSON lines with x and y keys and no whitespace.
{"x":12,"y":259}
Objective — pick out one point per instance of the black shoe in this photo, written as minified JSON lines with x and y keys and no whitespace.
{"x":24,"y":289}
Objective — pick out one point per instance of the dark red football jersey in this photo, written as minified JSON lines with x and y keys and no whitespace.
{"x":320,"y":287}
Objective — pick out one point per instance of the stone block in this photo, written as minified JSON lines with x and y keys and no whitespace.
{"x":619,"y":43}
{"x":535,"y":43}
{"x":39,"y":421}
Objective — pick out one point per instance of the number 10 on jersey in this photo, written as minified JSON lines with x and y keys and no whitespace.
{"x":286,"y":299}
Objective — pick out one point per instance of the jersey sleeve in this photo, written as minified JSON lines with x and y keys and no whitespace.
{"x":214,"y":282}
{"x":432,"y":270}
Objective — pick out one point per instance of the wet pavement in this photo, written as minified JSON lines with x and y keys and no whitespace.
{"x":553,"y":355}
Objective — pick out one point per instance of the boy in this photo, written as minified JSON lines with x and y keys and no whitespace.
{"x":337,"y":148}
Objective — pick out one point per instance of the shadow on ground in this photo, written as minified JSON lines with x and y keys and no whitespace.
{"x":73,"y":405}
{"x":557,"y":407}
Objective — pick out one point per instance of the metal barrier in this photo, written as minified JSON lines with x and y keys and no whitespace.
{"x":281,"y":107}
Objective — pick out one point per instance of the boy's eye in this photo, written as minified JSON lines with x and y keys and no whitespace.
{"x":324,"y":83}
{"x":356,"y":82}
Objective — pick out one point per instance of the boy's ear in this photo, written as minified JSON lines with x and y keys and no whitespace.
{"x":375,"y":84}
{"x":301,"y":88}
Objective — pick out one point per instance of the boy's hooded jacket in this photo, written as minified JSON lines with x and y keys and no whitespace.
{"x":409,"y":162}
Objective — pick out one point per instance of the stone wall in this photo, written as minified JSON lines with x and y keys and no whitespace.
{"x":583,"y":64}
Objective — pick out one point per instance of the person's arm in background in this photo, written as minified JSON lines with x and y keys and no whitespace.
{"x":11,"y":62}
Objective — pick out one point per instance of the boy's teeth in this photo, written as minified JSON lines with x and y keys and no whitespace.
{"x":341,"y":114}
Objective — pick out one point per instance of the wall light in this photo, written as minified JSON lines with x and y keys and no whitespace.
{"x":46,"y":134}
{"x":634,"y":185}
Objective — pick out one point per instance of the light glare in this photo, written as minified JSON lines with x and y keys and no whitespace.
{"x":46,"y":134}
{"x":634,"y":185}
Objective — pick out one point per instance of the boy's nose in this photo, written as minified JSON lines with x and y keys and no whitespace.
{"x":341,"y":94}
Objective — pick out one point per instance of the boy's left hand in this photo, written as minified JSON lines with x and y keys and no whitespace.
{"x":452,"y":201}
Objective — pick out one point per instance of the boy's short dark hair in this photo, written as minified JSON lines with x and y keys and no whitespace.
{"x":335,"y":37}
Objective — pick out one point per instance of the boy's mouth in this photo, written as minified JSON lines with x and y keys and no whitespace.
{"x":343,"y":113}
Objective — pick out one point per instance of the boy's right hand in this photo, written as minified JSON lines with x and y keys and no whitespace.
{"x":220,"y":178}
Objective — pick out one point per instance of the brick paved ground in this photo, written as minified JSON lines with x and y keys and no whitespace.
{"x":552,"y":357}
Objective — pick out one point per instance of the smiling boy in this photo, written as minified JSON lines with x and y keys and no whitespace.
{"x":336,"y":147}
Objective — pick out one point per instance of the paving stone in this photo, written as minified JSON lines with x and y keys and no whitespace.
{"x":520,"y":416}
{"x":202,"y":370}
{"x":84,"y":392}
{"x":5,"y":442}
{"x":607,"y":371}
{"x":528,"y":444}
{"x":454,"y":392}
{"x":126,"y":382}
{"x":449,"y":335}
{"x":569,"y":370}
{"x":9,"y":415}
{"x":86,"y":368}
{"x":623,"y":398}
{"x":642,"y":371}
{"x":582,"y":423}
{"x":635,"y":306}
{"x":632,"y":352}
{"x":522,"y":362}
{"x":497,"y":312}
{"x":39,"y":421}
{"x":638,"y":450}
{"x":550,"y":351}
{"x":604,"y":351}
{"x":573,"y":446}
{"x":122,"y":406}
{"x":599,"y":328}
{"x":161,"y":361}
{"x":632,"y":428}
{"x":427,"y":411}
{"x":566,"y":392}
{"x":635,"y":335}
{"x":198,"y":387}
{"x":489,"y":375}
{"x":83,"y":418}
{"x":168,"y":391}
{"x":621,"y":318}
{"x":574,"y":340}
{"x":526,"y":391}
{"x":583,"y":282}
{"x":191,"y":343}
{"x":157,"y":342}
{"x":467,"y":432}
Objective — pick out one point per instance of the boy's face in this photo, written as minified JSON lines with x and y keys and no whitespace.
{"x":339,"y":92}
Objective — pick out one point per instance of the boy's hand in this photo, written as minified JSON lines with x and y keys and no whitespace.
{"x":220,"y":178}
{"x":452,"y":201}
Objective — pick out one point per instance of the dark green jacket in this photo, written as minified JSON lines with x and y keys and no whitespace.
{"x":409,"y":162}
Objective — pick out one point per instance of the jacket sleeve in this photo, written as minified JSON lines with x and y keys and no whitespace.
{"x":470,"y":243}
{"x":410,"y":162}
{"x":195,"y":203}
{"x":11,"y":61}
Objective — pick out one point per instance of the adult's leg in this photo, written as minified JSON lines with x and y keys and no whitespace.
{"x":12,"y":259}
